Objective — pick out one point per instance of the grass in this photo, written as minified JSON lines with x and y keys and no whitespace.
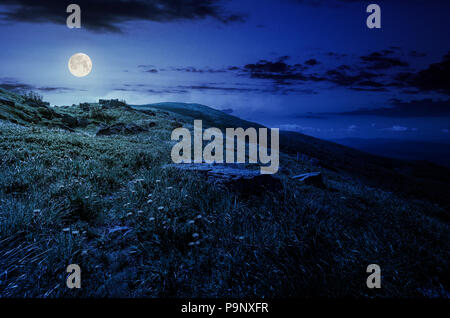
{"x":180,"y":236}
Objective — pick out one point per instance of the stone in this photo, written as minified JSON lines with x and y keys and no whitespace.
{"x":311,"y":178}
{"x":235,"y":176}
{"x":82,"y":122}
{"x":85,"y":107}
{"x":69,"y":121}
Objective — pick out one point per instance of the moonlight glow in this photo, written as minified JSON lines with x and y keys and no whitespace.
{"x":80,"y":65}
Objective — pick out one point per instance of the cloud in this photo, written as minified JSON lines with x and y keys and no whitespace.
{"x":435,"y":77}
{"x":373,"y":73}
{"x":417,"y":54}
{"x":191,"y":69}
{"x":279,"y":71}
{"x":397,"y":128}
{"x":342,"y":76}
{"x":295,"y":127}
{"x":382,"y":60}
{"x":108,"y":15}
{"x":16,"y":86}
{"x":311,"y":62}
{"x":398,"y":108}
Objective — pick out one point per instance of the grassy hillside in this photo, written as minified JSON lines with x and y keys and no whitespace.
{"x":209,"y":116}
{"x":139,"y":230}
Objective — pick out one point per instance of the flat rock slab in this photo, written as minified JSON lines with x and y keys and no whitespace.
{"x":311,"y":178}
{"x":232,"y":175}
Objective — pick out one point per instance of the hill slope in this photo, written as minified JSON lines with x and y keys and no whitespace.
{"x":138,"y":229}
{"x":413,"y":179}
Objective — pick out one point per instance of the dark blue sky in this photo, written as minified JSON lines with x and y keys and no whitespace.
{"x":310,"y":66}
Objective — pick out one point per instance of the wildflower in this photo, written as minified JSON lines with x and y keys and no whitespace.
{"x":66,"y":229}
{"x":149,"y":201}
{"x":158,"y":181}
{"x":129,"y":213}
{"x":140,"y":212}
{"x":36,"y":212}
{"x":75,"y":232}
{"x":191,"y":243}
{"x":191,"y":222}
{"x":160,"y":208}
{"x":195,"y":235}
{"x":169,"y":188}
{"x":151,"y":218}
{"x":199,"y":216}
{"x":241,"y":237}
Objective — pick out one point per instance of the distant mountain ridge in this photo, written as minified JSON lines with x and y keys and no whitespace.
{"x":433,"y":151}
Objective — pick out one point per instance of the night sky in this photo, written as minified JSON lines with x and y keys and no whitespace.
{"x":309,"y":66}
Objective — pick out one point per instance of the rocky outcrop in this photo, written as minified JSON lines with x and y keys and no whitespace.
{"x":311,"y":178}
{"x":234,"y":176}
{"x":85,"y":107}
{"x":69,"y":121}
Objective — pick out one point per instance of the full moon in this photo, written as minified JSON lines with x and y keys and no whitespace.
{"x":80,"y":65}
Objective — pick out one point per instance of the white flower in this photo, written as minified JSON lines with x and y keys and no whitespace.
{"x":151,"y":218}
{"x":160,"y":208}
{"x":149,"y":201}
{"x":195,"y":235}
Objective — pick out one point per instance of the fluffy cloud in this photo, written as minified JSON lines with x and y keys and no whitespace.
{"x":107,"y":15}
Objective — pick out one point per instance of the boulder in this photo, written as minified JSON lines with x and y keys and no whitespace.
{"x":120,"y":128}
{"x":311,"y":178}
{"x":147,"y":112}
{"x":47,"y":112}
{"x":82,"y":122}
{"x":69,"y":121}
{"x":85,"y":107}
{"x":234,"y":176}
